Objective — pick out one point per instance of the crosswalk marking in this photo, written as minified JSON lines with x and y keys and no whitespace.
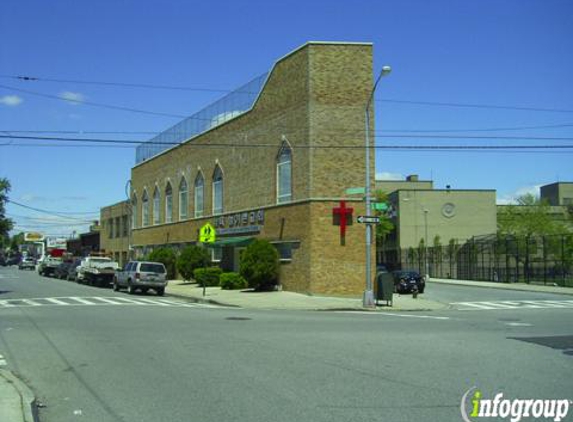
{"x":101,"y":301}
{"x":513,"y":304}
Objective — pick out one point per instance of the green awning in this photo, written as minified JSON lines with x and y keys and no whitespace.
{"x":231,"y":241}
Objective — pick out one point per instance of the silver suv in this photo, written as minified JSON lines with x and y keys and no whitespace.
{"x":141,"y":275}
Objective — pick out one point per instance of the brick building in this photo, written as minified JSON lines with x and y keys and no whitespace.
{"x":272,"y":167}
{"x":115,"y":233}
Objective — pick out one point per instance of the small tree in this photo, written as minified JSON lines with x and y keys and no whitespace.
{"x":260,"y":265}
{"x":191,"y":258}
{"x":167,"y":257}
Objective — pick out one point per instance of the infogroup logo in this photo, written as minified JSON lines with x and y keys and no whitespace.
{"x":514,"y":409}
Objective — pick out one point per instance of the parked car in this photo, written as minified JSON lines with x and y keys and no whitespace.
{"x":141,"y":275}
{"x":13,"y":260}
{"x":407,"y":281}
{"x":48,"y":265}
{"x":62,"y":270}
{"x":27,"y":263}
{"x":72,"y":273}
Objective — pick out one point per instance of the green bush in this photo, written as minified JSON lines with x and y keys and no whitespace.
{"x":191,"y":258}
{"x":232,"y":281}
{"x":167,"y":257}
{"x":260,"y":265}
{"x":207,"y":277}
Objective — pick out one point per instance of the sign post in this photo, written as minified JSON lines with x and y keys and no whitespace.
{"x":207,"y":234}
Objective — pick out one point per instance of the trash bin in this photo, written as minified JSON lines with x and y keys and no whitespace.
{"x":385,"y":288}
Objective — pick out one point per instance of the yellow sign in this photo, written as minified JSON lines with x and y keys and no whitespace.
{"x":207,"y":234}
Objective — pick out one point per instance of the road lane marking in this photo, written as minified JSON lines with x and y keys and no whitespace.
{"x":30,"y":302}
{"x":107,"y":300}
{"x":443,"y":318}
{"x":57,"y":301}
{"x":82,"y":301}
{"x":513,"y":304}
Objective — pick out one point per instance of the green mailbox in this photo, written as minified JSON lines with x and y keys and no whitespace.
{"x":384,"y":287}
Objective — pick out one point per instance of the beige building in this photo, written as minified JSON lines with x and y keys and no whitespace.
{"x":115,"y":232}
{"x":274,"y":168}
{"x":558,"y":194}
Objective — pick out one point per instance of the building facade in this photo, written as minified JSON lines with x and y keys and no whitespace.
{"x":116,"y":231}
{"x":276,"y":171}
{"x":558,"y":194}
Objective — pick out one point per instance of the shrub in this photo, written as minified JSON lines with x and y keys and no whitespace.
{"x":260,"y":265}
{"x":207,"y":277}
{"x":191,"y":258}
{"x":167,"y":257}
{"x":232,"y":281}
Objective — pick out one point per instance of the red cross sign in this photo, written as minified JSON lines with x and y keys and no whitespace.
{"x":344,"y":217}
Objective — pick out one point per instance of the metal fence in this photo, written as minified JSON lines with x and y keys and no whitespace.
{"x":231,"y":105}
{"x":533,"y":259}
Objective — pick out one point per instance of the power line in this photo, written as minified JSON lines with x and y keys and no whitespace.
{"x":101,"y":105}
{"x":127,"y":132}
{"x":56,"y":214}
{"x":467,"y":105}
{"x":120,"y":84}
{"x":206,"y":145}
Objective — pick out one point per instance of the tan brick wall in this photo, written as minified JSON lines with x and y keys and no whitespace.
{"x":315,"y":96}
{"x":116,"y":244}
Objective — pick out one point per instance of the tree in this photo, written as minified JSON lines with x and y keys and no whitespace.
{"x":6,"y":224}
{"x":167,"y":257}
{"x":260,"y":265}
{"x":191,"y":258}
{"x":531,"y":217}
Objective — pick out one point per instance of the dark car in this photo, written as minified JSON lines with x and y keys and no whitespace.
{"x":408,"y":281}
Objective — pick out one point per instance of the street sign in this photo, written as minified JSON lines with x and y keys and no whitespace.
{"x":355,"y":191}
{"x":207,"y":234}
{"x":368,"y":219}
{"x":380,"y":206}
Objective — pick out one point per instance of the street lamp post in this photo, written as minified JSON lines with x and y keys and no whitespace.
{"x":368,"y":300}
{"x":427,"y":263}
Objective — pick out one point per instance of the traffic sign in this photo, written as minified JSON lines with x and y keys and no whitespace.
{"x":368,"y":219}
{"x":355,"y":191}
{"x":380,"y":206}
{"x":207,"y":234}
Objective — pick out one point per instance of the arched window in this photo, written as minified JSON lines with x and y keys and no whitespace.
{"x":134,"y":211}
{"x":217,"y":191}
{"x":199,"y":195}
{"x":144,"y":209}
{"x":183,"y":199}
{"x":284,"y":174}
{"x":168,"y":203}
{"x":156,"y":201}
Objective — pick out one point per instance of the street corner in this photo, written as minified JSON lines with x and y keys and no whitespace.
{"x":16,"y":399}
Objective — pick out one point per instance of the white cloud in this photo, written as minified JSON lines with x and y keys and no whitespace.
{"x":11,"y":100}
{"x":511,"y":198}
{"x":389,"y":176}
{"x":74,"y":98}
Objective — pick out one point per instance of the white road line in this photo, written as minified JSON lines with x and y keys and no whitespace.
{"x":82,"y":301}
{"x":5,"y":304}
{"x":154,"y":302}
{"x":3,"y":362}
{"x":472,"y":304}
{"x":547,"y":303}
{"x":107,"y":300}
{"x":442,"y":318}
{"x":519,"y":324}
{"x":30,"y":302}
{"x":57,"y":301}
{"x":497,"y":305}
{"x":130,"y":301}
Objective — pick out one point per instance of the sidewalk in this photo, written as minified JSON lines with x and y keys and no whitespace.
{"x":15,"y":399}
{"x":539,"y":288}
{"x":292,"y":301}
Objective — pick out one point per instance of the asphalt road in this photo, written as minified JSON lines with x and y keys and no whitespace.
{"x":91,"y":354}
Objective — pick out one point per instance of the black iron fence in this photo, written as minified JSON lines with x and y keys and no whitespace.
{"x":532,"y":259}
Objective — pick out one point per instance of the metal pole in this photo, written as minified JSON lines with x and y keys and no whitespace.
{"x":427,"y":263}
{"x":368,"y":297}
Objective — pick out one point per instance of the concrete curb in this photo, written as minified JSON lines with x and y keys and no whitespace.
{"x":516,"y":287}
{"x":25,"y":396}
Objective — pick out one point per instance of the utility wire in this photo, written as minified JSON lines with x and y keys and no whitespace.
{"x":127,"y":132}
{"x":385,"y":100}
{"x":55,"y":214}
{"x":89,"y":103}
{"x":486,"y":106}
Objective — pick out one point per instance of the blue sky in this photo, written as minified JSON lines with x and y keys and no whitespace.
{"x":491,"y":52}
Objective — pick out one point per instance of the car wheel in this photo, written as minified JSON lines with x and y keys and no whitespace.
{"x":115,"y":286}
{"x":160,"y":291}
{"x":130,"y":289}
